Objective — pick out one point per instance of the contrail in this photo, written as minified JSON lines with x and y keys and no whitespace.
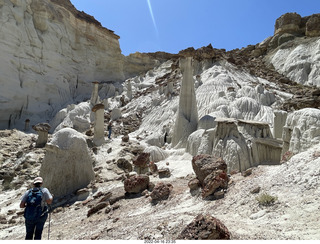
{"x":152,"y":16}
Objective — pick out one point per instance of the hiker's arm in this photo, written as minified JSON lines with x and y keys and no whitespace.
{"x":49,"y":201}
{"x":22,"y":204}
{"x":47,"y":196}
{"x":23,"y":201}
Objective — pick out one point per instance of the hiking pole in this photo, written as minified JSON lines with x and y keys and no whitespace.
{"x":49,"y":225}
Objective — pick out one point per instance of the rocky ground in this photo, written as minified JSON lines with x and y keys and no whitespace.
{"x":294,"y":185}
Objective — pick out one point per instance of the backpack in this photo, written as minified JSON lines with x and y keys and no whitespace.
{"x":33,"y":209}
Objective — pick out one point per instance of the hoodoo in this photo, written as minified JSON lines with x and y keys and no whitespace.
{"x":187,"y":116}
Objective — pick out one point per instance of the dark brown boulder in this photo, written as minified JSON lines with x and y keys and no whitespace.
{"x":161,"y":192}
{"x":142,"y":160}
{"x":136,"y":183}
{"x":164,"y":173}
{"x":124,"y":164}
{"x":211,"y":172}
{"x":125,"y":138}
{"x":217,"y":179}
{"x":205,"y":164}
{"x":205,"y":227}
{"x":153,"y":167}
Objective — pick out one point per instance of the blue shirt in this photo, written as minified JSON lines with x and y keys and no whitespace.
{"x":46,"y":195}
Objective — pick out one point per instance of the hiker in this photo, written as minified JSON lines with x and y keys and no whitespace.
{"x":35,"y":201}
{"x":109,"y":129}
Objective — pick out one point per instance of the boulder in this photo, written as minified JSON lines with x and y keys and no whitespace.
{"x":67,"y":165}
{"x":136,"y":183}
{"x":124,"y":164}
{"x":205,"y":164}
{"x":142,"y":163}
{"x":205,"y":227}
{"x":164,"y":173}
{"x":125,"y":138}
{"x":217,"y":179}
{"x":211,"y":173}
{"x":161,"y":192}
{"x":142,"y":160}
{"x":153,"y":167}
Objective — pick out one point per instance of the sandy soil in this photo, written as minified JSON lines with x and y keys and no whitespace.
{"x":295,"y":214}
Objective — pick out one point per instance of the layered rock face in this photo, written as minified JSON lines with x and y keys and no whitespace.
{"x":296,"y":43}
{"x":294,"y":24}
{"x":241,"y":143}
{"x":137,"y":63}
{"x":302,"y":130}
{"x":50,"y":54}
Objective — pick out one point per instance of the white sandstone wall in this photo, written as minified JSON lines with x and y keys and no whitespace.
{"x":49,"y":58}
{"x":299,"y":62}
{"x":302,"y":130}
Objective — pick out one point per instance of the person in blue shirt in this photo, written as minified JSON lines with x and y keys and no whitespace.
{"x":35,"y":224}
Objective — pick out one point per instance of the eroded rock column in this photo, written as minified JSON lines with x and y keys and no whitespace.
{"x":95,"y":96}
{"x":129,"y":90}
{"x":279,"y":122}
{"x":98,"y":138}
{"x":27,"y":125}
{"x":42,"y":129}
{"x":187,"y":116}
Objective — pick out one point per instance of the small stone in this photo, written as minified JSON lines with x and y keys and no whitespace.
{"x":247,"y":172}
{"x":96,"y":208}
{"x":106,"y":197}
{"x":125,"y":138}
{"x":19,"y":154}
{"x":194,"y":184}
{"x":164,"y":173}
{"x":219,"y":194}
{"x":108,"y":209}
{"x":256,"y":190}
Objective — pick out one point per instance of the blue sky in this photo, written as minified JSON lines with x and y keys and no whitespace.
{"x":174,"y":25}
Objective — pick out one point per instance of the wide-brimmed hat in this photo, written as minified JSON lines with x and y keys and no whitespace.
{"x":38,"y":180}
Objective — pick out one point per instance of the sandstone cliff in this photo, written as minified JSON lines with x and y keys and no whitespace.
{"x":50,"y":54}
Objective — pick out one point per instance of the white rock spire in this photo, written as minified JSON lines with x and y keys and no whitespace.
{"x":187,"y":116}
